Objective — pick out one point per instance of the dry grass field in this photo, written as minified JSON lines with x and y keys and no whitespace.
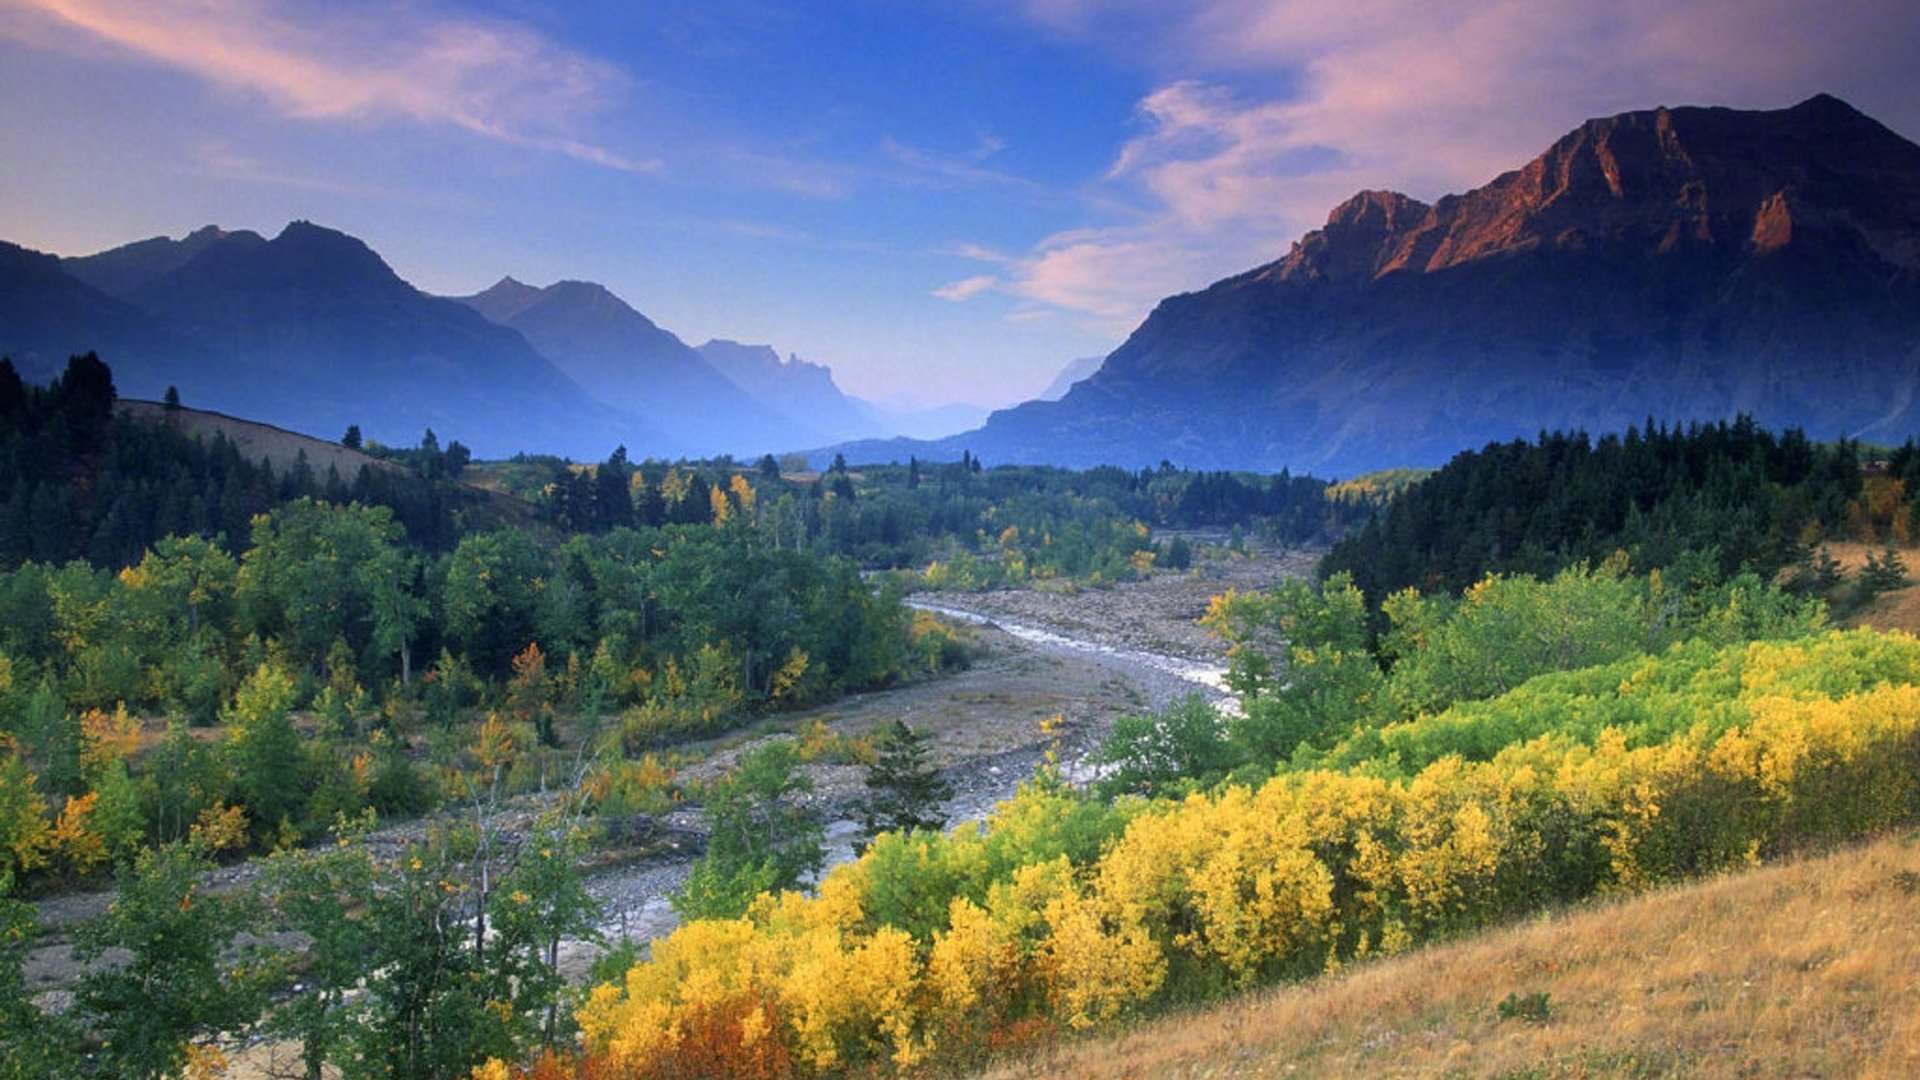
{"x":1895,"y":610}
{"x":1804,"y":969}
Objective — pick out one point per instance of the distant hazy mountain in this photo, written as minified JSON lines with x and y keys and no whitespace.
{"x":46,"y":316}
{"x":804,"y":393}
{"x":930,"y":422}
{"x":1686,"y":263}
{"x":1075,"y":372}
{"x":312,"y":331}
{"x":124,"y":269}
{"x":622,"y":358}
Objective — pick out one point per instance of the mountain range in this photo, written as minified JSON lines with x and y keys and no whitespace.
{"x":1674,"y":264}
{"x":312,"y":331}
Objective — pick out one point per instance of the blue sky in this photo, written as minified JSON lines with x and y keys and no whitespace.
{"x":943,"y":201}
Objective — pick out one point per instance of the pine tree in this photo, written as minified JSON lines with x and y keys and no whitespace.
{"x":904,"y":790}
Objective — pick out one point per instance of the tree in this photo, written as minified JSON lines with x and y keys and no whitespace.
{"x":267,"y":755}
{"x":171,"y":989}
{"x":317,"y":893}
{"x":1186,"y":741}
{"x":760,"y":837}
{"x":904,"y":789}
{"x":172,"y":400}
{"x":351,"y":440}
{"x":33,"y":1045}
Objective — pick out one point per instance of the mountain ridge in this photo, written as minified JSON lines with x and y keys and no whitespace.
{"x":1680,"y":264}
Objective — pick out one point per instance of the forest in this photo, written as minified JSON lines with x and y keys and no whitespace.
{"x":1735,"y":494}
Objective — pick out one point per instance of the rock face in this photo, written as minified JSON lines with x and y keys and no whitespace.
{"x":802,"y":392}
{"x":1678,"y":264}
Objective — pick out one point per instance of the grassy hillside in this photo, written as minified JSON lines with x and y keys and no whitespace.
{"x":1799,"y":969}
{"x":278,"y":446}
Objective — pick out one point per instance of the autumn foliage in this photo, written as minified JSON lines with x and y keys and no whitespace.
{"x":1062,"y":911}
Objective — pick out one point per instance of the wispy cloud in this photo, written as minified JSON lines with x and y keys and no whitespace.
{"x":355,"y":62}
{"x":968,"y":168}
{"x":1424,"y":96}
{"x":967,"y":288}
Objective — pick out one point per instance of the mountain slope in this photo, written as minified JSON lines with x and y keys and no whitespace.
{"x":1798,"y":969}
{"x":313,"y":331}
{"x":46,"y":316}
{"x":802,"y":392}
{"x":1684,"y":263}
{"x":623,"y":359}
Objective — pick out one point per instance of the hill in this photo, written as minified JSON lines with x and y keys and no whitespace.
{"x":1683,"y":264}
{"x":278,"y":447}
{"x":1800,"y":969}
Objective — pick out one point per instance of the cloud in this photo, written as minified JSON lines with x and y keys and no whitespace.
{"x":1267,"y":113}
{"x":965,"y":169}
{"x":967,"y":288}
{"x":368,"y":62}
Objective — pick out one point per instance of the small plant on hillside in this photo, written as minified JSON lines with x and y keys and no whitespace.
{"x":1534,"y":1008}
{"x":1882,"y":573}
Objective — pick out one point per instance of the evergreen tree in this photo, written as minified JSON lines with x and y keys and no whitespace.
{"x":904,"y":789}
{"x":351,"y":440}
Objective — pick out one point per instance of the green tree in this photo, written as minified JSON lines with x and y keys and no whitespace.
{"x":33,"y":1045}
{"x":760,"y":836}
{"x":540,"y":901}
{"x":268,"y":757}
{"x":1186,"y":741}
{"x":171,"y":989}
{"x":320,"y":894}
{"x":904,"y":789}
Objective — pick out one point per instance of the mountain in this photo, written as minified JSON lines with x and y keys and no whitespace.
{"x":1678,"y":264}
{"x":802,"y":392}
{"x":623,"y":359}
{"x":1075,"y":372}
{"x":46,"y":316}
{"x":121,"y":270}
{"x":313,"y":331}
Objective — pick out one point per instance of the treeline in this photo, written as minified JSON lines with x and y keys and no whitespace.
{"x":638,"y":637}
{"x":1470,"y":794}
{"x":1751,"y":498}
{"x":77,"y":482}
{"x":967,"y":526}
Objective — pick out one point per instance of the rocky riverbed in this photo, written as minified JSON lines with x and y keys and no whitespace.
{"x":1074,"y":660}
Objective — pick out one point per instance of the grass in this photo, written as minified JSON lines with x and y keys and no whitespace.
{"x":1896,"y":609}
{"x":1809,"y":968}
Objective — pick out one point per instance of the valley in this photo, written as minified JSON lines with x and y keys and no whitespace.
{"x":1054,"y":669}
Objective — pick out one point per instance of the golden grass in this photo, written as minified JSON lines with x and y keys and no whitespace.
{"x":1803,"y":969}
{"x":1895,"y":610}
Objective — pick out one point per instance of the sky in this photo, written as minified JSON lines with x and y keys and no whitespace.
{"x":944,"y":201}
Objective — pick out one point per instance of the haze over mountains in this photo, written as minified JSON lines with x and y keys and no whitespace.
{"x":1687,"y":263}
{"x":1678,"y":264}
{"x":312,"y":331}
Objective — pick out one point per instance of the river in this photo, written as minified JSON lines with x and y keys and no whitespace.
{"x":634,"y":899}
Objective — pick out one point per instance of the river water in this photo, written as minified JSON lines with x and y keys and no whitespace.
{"x":634,"y":899}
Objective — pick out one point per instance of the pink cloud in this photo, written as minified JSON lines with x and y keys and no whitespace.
{"x":1423,"y":96}
{"x":967,"y":288}
{"x":362,"y":62}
